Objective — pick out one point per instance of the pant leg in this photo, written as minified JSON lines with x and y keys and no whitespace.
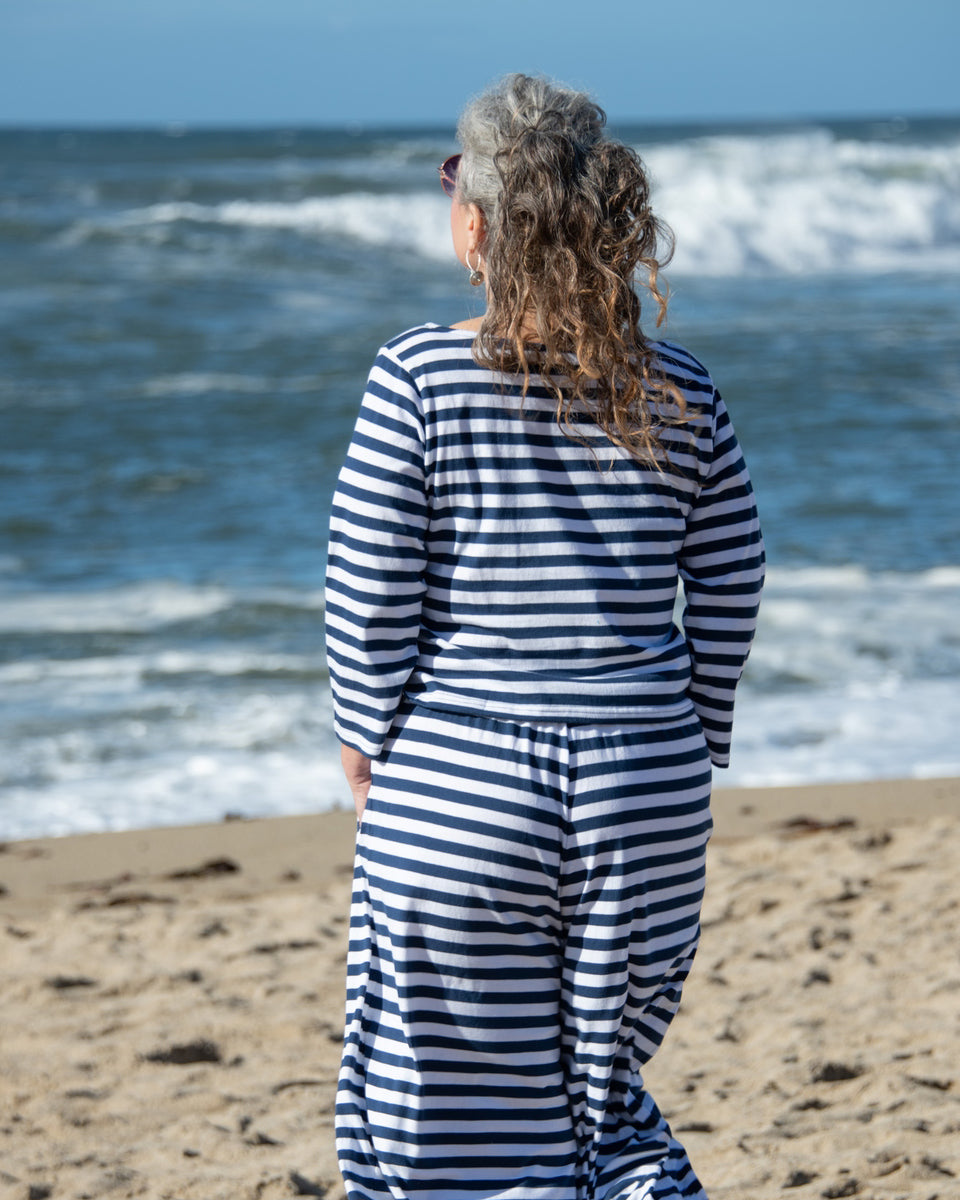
{"x":631,"y":892}
{"x":452,"y":1083}
{"x":525,"y":911}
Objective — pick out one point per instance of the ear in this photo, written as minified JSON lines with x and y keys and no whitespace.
{"x":476,"y":228}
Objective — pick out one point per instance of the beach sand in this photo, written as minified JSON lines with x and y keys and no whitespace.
{"x":171,"y":1004}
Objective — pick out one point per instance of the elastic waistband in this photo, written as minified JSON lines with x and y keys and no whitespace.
{"x":650,"y":722}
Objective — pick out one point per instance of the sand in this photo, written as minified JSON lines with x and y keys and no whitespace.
{"x":171,"y":1005}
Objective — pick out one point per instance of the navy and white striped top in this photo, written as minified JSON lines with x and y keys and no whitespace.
{"x":481,"y":560}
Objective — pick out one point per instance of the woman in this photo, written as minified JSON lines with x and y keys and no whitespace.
{"x":527,"y":734}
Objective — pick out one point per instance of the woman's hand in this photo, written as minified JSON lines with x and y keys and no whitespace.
{"x":356,"y":767}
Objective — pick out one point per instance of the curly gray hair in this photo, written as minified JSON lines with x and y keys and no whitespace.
{"x":491,"y":121}
{"x":569,"y":226}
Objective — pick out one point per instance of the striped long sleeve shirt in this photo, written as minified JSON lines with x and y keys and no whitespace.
{"x":483,"y":560}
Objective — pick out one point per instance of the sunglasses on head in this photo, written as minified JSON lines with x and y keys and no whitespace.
{"x":448,"y":174}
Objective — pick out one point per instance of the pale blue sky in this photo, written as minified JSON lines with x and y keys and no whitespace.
{"x":389,"y":61}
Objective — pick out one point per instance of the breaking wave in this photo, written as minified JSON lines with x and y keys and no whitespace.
{"x":804,"y":202}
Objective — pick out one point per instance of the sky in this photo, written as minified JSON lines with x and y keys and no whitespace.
{"x":392,"y":62}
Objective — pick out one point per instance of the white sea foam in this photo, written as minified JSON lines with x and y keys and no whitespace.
{"x":888,"y":729}
{"x":854,"y":675}
{"x":164,"y":664}
{"x":182,"y":760}
{"x":191,"y":383}
{"x":177,"y":789}
{"x":802,"y":202}
{"x":830,"y":630}
{"x":202,"y":383}
{"x":410,"y":221}
{"x":133,"y":608}
{"x":808,"y":202}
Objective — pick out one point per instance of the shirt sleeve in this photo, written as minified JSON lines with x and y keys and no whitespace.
{"x":376,"y":559}
{"x":722,"y":567}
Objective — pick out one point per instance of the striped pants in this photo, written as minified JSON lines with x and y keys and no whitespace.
{"x":526,"y":909}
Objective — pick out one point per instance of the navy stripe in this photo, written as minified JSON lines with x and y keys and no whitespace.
{"x":526,"y":909}
{"x":462,"y":510}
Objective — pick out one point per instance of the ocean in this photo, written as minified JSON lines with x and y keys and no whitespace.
{"x":186,"y":322}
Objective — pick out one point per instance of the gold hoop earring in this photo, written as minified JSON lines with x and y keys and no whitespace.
{"x":476,"y":273}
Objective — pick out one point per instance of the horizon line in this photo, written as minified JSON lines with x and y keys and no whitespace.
{"x":175,"y":127}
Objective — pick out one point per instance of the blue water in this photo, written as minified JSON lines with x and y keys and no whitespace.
{"x":186,"y":321}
